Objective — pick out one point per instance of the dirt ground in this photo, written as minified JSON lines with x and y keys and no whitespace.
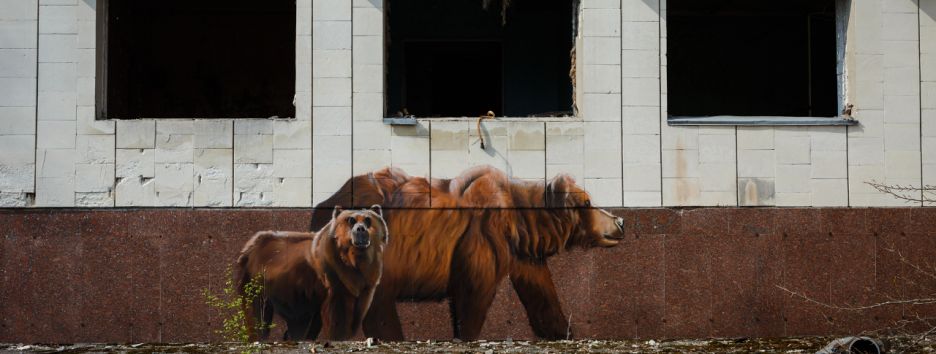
{"x":739,"y":345}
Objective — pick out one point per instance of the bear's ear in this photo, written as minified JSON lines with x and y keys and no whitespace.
{"x":377,"y":209}
{"x":331,"y":224}
{"x":557,"y":191}
{"x":336,"y":212}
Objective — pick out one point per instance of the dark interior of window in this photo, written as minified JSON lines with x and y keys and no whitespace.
{"x":196,"y":59}
{"x":752,"y":58}
{"x":455,"y":58}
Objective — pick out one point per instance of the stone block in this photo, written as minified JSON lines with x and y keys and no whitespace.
{"x":18,"y":10}
{"x":755,"y":138}
{"x":601,"y":51}
{"x":293,"y":192}
{"x":565,"y":149}
{"x":601,"y":22}
{"x":17,"y":91}
{"x":640,"y":63}
{"x":17,"y":149}
{"x":368,"y":106}
{"x":604,"y":192}
{"x":253,"y":148}
{"x":214,"y":177}
{"x":55,"y":191}
{"x":17,"y":179}
{"x":410,"y":150}
{"x":136,"y":162}
{"x":793,"y":150}
{"x":95,"y":149}
{"x":641,"y":149}
{"x":94,"y":177}
{"x":18,"y":120}
{"x":331,"y":35}
{"x":605,"y":79}
{"x":529,"y":165}
{"x":55,"y":134}
{"x":902,"y":165}
{"x":331,"y":10}
{"x":529,"y":136}
{"x":368,"y":21}
{"x":174,"y":148}
{"x":57,"y":105}
{"x":371,"y":135}
{"x":18,"y":63}
{"x":58,"y":20}
{"x":56,"y":163}
{"x":641,"y":92}
{"x":292,"y":134}
{"x":641,"y":36}
{"x":756,"y":163}
{"x":174,"y":184}
{"x":756,"y":192}
{"x":330,"y":121}
{"x":866,"y":151}
{"x":368,"y":78}
{"x":135,"y":191}
{"x":136,"y":134}
{"x":253,"y":178}
{"x":716,"y":149}
{"x":292,"y":163}
{"x":680,"y":164}
{"x":368,"y":49}
{"x":331,"y":63}
{"x":213,"y":134}
{"x":253,"y":127}
{"x":642,"y":177}
{"x":829,"y":192}
{"x":829,"y":164}
{"x":18,"y":34}
{"x":94,"y":199}
{"x":331,"y":92}
{"x":601,"y":107}
{"x":682,"y":192}
{"x":717,"y":177}
{"x":58,"y":48}
{"x":793,"y":178}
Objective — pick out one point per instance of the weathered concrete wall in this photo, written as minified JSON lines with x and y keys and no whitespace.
{"x":137,"y":275}
{"x":55,"y":154}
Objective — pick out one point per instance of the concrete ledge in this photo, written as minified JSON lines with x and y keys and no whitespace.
{"x":759,"y":121}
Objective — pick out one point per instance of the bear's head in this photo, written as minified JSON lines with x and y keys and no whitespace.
{"x":359,"y":233}
{"x":590,"y":226}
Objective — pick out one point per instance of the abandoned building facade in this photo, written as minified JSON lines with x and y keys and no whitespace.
{"x":102,"y":109}
{"x":143,"y":142}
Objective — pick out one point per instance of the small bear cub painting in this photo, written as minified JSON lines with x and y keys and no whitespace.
{"x":317,"y":281}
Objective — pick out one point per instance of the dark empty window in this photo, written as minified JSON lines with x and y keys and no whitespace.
{"x":752,"y":58}
{"x":457,"y":58}
{"x":196,"y":59}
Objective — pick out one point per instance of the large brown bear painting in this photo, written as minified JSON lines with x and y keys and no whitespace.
{"x":458,"y":238}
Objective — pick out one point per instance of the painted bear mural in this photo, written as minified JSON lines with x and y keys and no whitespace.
{"x":316,"y":281}
{"x":458,"y":238}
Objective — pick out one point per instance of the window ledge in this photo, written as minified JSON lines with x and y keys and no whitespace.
{"x":415,"y":121}
{"x":762,"y":121}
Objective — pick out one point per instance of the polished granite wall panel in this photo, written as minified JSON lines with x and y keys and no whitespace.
{"x":137,"y":275}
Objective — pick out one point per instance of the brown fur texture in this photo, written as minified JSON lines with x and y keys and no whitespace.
{"x":459,"y":238}
{"x":316,"y":280}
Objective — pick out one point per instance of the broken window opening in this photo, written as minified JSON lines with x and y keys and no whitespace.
{"x":201,"y":59}
{"x":462,"y":58}
{"x":754,"y":58}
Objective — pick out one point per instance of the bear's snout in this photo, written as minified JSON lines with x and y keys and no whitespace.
{"x":360,"y":238}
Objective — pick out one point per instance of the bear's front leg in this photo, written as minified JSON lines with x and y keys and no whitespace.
{"x":338,"y":314}
{"x":533,"y":283}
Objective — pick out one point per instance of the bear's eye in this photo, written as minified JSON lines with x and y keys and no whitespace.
{"x":367,"y":222}
{"x":588,"y":203}
{"x":351,"y":221}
